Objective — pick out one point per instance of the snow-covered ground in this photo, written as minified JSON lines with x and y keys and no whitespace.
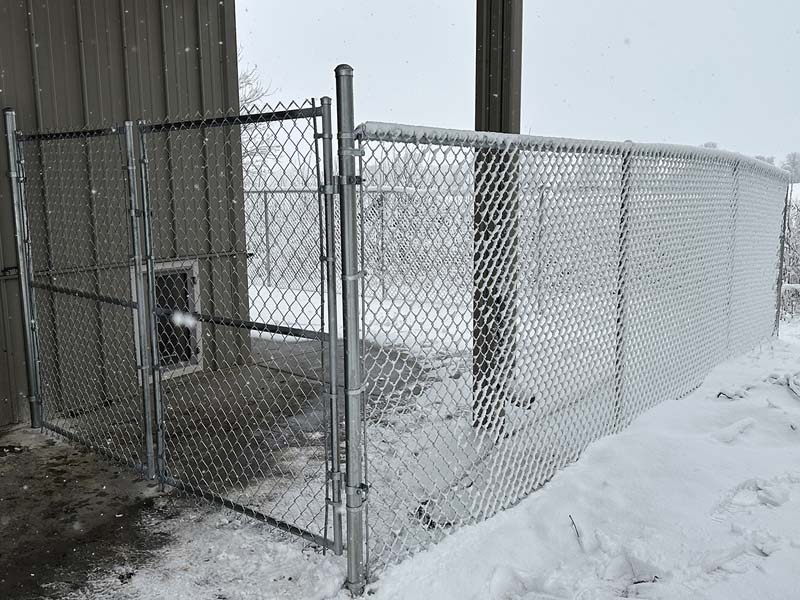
{"x":699,"y":498}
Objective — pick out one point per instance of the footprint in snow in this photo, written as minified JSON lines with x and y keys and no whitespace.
{"x":732,"y":432}
{"x":754,"y":493}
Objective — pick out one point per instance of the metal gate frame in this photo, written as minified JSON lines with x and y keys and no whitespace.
{"x":28,"y":284}
{"x":143,"y":263}
{"x":144,"y":303}
{"x":328,"y":293}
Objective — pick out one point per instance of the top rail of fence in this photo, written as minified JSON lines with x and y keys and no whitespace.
{"x":397,"y":132}
{"x":243,"y":119}
{"x":307,"y":109}
{"x":66,"y":135}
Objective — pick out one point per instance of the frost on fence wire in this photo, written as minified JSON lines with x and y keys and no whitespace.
{"x":79,"y":224}
{"x":236,"y":234}
{"x":526,"y":296}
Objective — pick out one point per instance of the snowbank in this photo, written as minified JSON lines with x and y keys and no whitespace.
{"x":698,"y":499}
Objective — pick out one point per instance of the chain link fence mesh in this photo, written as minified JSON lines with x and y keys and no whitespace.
{"x":240,"y":298}
{"x":524,"y":296}
{"x":79,"y":223}
{"x":521,"y":297}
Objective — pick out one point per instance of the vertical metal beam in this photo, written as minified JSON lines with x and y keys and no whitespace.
{"x":355,"y":489}
{"x":382,"y":246}
{"x":24,"y":270}
{"x":498,"y":68}
{"x":141,"y":312}
{"x":267,"y":241}
{"x":622,"y":273}
{"x":150,"y":304}
{"x":498,"y":77}
{"x":781,"y":252}
{"x":734,"y":218}
{"x":327,"y":190}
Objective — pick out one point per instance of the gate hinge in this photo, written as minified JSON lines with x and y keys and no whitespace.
{"x":351,"y":151}
{"x":337,"y":483}
{"x":355,"y":276}
{"x":363,"y":491}
{"x":327,"y":189}
{"x":337,"y":478}
{"x":348,"y":180}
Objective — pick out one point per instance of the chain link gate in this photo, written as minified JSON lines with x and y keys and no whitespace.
{"x":75,"y":205}
{"x":243,"y":395}
{"x":156,"y":335}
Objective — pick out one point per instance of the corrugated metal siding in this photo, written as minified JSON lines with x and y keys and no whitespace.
{"x":86,"y":63}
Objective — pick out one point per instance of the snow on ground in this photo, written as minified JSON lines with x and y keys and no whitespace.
{"x":215,"y":555}
{"x":698,"y":499}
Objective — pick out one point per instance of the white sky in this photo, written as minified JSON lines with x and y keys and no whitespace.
{"x":683,"y":71}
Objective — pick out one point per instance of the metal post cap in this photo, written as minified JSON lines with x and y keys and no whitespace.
{"x":344,"y":70}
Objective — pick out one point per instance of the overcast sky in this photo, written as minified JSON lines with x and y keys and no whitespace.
{"x":683,"y":71}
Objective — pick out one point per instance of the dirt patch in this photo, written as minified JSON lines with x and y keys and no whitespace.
{"x":65,"y":514}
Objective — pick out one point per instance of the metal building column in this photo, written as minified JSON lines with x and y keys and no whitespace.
{"x":498,"y":77}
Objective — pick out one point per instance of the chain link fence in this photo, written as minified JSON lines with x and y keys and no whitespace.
{"x":541,"y":293}
{"x":171,"y":332}
{"x":505,"y":300}
{"x":241,"y":315}
{"x":81,"y":242}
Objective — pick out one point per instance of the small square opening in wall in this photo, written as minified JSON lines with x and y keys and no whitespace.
{"x":174,"y":291}
{"x":178,"y":332}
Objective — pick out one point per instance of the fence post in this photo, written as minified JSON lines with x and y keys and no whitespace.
{"x":150,"y":267}
{"x":328,"y":192}
{"x":141,"y":304}
{"x":355,"y":489}
{"x":24,"y":269}
{"x":383,"y":246}
{"x":267,"y":242}
{"x":622,"y":268}
{"x":781,"y":251}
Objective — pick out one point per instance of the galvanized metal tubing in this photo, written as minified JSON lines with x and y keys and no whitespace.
{"x":24,"y":268}
{"x":328,"y":193}
{"x":355,"y":490}
{"x":142,"y":329}
{"x":505,"y":300}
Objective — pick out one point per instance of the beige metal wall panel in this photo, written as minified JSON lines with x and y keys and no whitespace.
{"x":90,"y":63}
